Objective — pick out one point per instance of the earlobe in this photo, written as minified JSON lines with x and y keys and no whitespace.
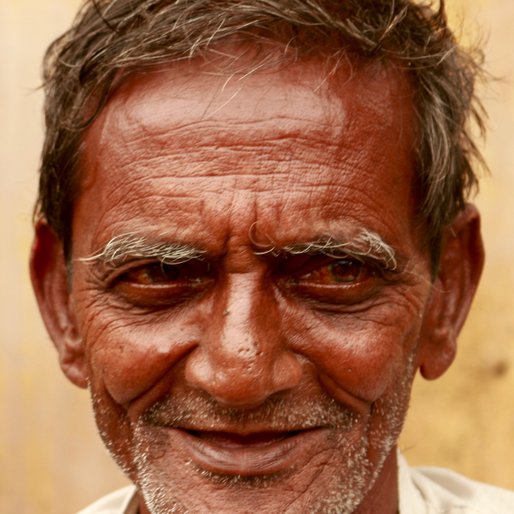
{"x":50,"y":282}
{"x":461,"y":263}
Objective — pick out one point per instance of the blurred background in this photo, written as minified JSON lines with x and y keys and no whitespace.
{"x":51,"y":459}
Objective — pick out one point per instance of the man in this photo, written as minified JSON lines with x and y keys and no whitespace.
{"x":251,"y":233}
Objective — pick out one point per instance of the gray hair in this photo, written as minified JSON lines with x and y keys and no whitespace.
{"x":127,"y":246}
{"x":365,"y":245}
{"x":113,"y":38}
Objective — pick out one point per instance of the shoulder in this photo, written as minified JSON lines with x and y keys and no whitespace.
{"x":441,"y":491}
{"x":117,"y":502}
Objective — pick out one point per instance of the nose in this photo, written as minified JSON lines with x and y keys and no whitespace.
{"x":242,"y":358}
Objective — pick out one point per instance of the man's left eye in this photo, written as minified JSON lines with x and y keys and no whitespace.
{"x":332,"y":282}
{"x":343,"y":271}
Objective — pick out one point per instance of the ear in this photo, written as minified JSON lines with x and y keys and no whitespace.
{"x":460,"y":267}
{"x":50,"y":282}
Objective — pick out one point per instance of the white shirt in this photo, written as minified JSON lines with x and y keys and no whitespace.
{"x":422,"y":491}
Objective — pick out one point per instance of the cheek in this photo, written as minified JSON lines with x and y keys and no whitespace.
{"x":131,"y":355}
{"x":357,"y":355}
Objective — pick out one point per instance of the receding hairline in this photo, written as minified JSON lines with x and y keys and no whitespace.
{"x":236,"y":60}
{"x":104,"y":36}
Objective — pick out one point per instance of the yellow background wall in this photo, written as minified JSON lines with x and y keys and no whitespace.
{"x":51,"y":460}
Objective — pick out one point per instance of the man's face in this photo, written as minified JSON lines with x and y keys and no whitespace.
{"x":249,"y":337}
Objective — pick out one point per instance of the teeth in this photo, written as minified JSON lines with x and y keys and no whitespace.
{"x":256,"y":438}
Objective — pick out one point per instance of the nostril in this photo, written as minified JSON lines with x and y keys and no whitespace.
{"x":245,"y":384}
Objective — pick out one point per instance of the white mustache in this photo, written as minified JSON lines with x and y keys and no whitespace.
{"x":196,"y":410}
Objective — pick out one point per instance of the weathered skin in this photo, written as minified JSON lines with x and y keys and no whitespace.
{"x":187,"y":155}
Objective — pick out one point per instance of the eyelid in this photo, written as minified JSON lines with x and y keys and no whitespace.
{"x":331,"y":294}
{"x":361,"y":268}
{"x":309,"y":262}
{"x":141,"y":284}
{"x":111,"y":274}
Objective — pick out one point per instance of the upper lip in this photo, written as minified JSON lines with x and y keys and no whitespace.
{"x":243,"y":431}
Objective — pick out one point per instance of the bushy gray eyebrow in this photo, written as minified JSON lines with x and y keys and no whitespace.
{"x":365,"y":245}
{"x":126,"y":247}
{"x":129,"y":246}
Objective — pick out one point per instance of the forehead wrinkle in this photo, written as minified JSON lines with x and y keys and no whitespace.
{"x":285,"y":157}
{"x":253,"y":131}
{"x":127,"y":246}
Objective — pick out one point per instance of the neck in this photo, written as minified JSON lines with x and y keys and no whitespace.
{"x":383,"y":496}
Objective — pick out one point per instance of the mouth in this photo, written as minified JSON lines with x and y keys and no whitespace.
{"x":253,"y":454}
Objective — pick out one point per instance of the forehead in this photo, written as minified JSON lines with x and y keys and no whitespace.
{"x":332,"y":97}
{"x":192,"y":138}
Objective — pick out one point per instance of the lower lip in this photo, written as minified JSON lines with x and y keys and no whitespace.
{"x":248,"y":456}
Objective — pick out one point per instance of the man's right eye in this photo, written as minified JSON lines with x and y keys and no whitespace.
{"x":157,"y":283}
{"x":152,"y":274}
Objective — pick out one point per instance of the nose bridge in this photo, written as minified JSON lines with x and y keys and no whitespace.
{"x":242,"y":358}
{"x":240,"y":341}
